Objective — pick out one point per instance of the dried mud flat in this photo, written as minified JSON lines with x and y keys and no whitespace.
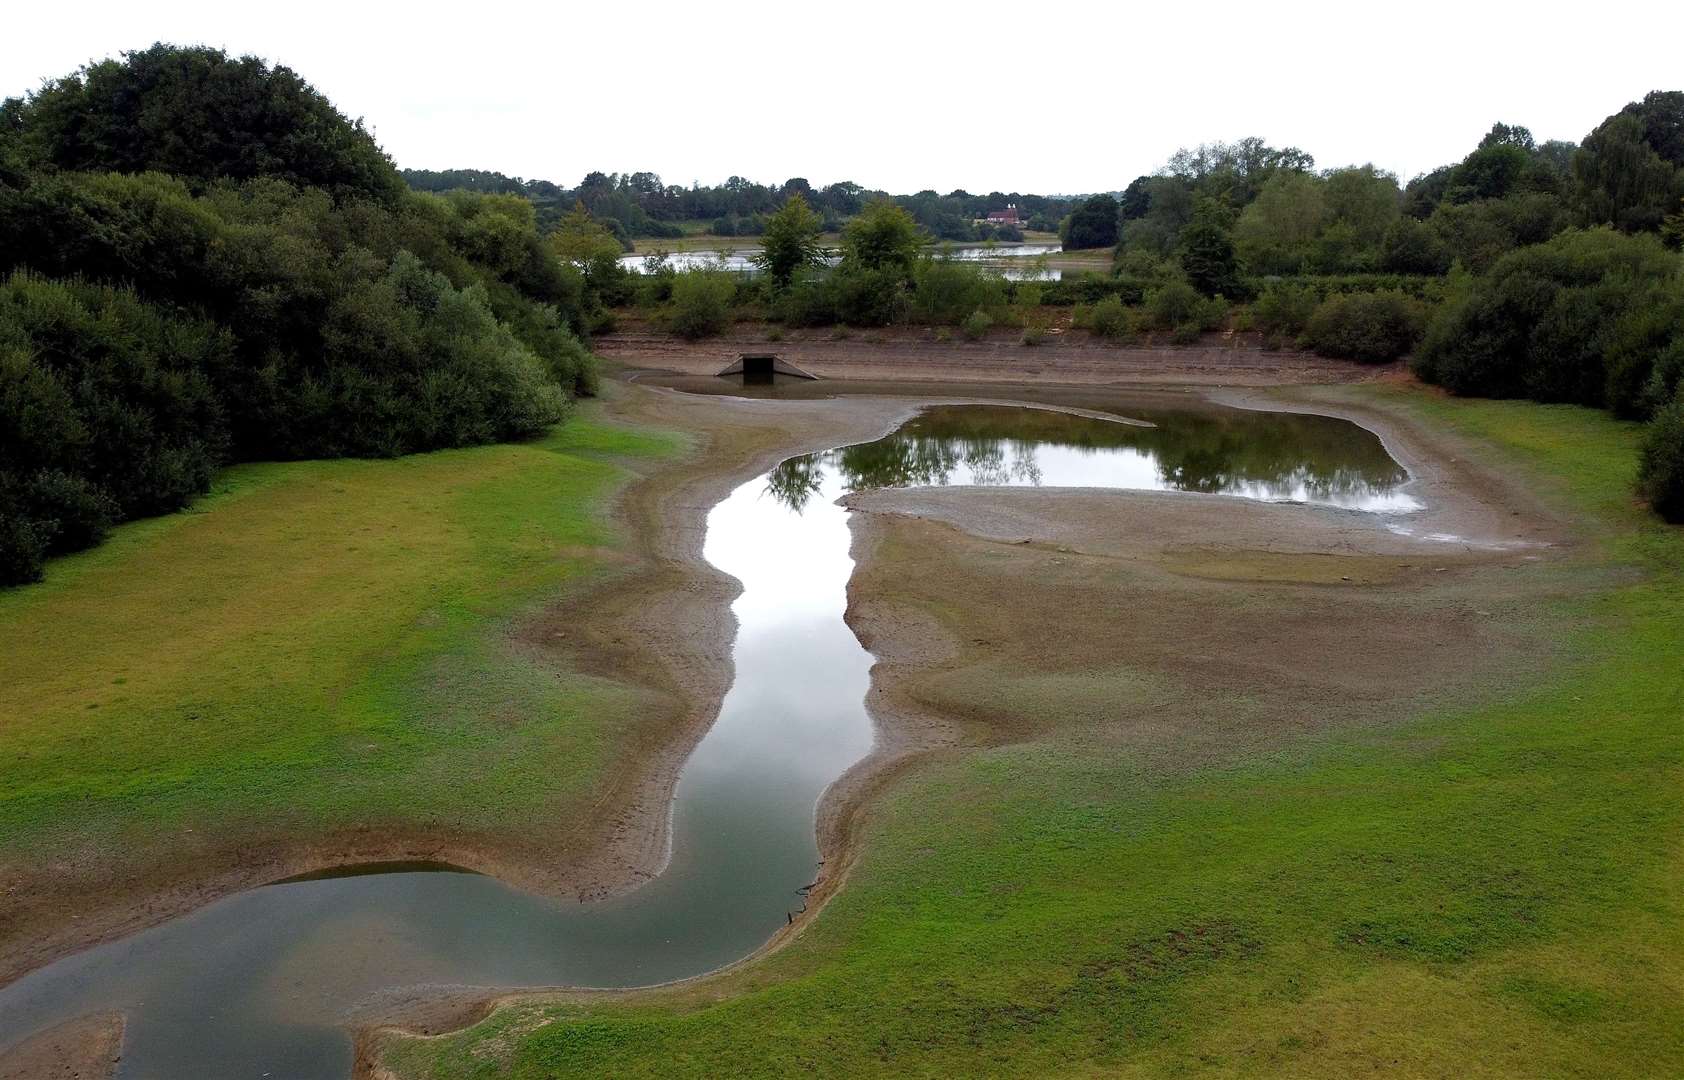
{"x":87,"y":1048}
{"x":913,"y":354}
{"x":1312,"y":601}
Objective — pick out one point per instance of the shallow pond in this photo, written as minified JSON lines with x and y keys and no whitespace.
{"x":259,"y":984}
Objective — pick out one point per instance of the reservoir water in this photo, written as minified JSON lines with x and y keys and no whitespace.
{"x":258,"y":984}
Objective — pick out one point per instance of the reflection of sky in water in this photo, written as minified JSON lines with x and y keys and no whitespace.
{"x":1013,"y":263}
{"x":258,"y":983}
{"x":1136,"y":470}
{"x":1263,"y":456}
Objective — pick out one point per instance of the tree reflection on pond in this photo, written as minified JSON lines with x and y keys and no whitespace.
{"x":1277,"y":457}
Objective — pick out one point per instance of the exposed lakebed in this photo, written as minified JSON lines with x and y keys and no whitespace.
{"x":260,"y":983}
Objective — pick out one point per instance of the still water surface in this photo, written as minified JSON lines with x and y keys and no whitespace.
{"x":1016,"y":262}
{"x":258,"y":984}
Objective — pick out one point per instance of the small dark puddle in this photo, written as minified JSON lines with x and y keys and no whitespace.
{"x":259,"y":984}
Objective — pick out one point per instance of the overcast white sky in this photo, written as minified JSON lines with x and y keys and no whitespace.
{"x":904,"y":96}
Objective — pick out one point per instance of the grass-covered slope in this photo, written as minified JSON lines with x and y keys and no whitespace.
{"x":316,"y":645}
{"x":1484,"y":891}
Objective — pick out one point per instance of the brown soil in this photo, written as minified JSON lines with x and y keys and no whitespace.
{"x":913,"y":353}
{"x":87,"y":1048}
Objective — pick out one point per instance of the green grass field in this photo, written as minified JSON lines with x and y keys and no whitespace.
{"x":1495,"y":891}
{"x":314,"y":644}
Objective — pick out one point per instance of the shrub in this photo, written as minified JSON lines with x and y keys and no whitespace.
{"x":1033,"y":335}
{"x":1543,"y":322}
{"x":1284,"y":310}
{"x":72,"y":512}
{"x":1186,"y":334}
{"x":869,"y":297}
{"x":701,"y":302}
{"x":1173,"y":305}
{"x":810,"y":300}
{"x":1370,"y":327}
{"x":946,"y":290}
{"x":23,"y":546}
{"x":1109,"y":319}
{"x":1660,"y":471}
{"x":976,"y":325}
{"x":1089,"y":288}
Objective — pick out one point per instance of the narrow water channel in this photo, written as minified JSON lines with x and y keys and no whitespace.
{"x":258,"y":984}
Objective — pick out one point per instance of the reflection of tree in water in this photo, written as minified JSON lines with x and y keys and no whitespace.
{"x":1278,"y":455}
{"x":796,"y":480}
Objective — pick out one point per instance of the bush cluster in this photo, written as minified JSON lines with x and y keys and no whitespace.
{"x":1592,"y":317}
{"x":1179,"y":307}
{"x":1660,"y":468}
{"x":1371,"y":327}
{"x":281,"y":295}
{"x":701,"y":302}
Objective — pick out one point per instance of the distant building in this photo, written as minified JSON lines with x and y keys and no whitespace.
{"x":1008,"y":216}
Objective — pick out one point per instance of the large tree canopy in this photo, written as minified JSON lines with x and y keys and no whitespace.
{"x":1093,"y":225}
{"x":1630,"y":171}
{"x":199,"y":114}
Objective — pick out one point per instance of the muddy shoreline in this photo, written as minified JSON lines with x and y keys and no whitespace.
{"x":1460,"y":495}
{"x":666,"y":617}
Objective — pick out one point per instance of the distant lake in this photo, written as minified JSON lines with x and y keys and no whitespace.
{"x":1014,"y":262}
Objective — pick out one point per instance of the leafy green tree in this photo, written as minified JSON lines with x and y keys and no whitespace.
{"x":1136,"y":200}
{"x":882,"y":237}
{"x":1207,"y":251}
{"x":1411,"y":247}
{"x":583,"y":241}
{"x":701,"y":302}
{"x":1365,"y":198}
{"x":1094,"y":224}
{"x":200,"y":114}
{"x":1629,"y":172}
{"x":1672,"y":229}
{"x":791,"y":240}
{"x":1275,"y":233}
{"x":1169,"y":206}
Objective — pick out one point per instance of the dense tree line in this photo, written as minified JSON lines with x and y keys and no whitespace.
{"x":206,"y":262}
{"x":639,"y":204}
{"x":1544,"y":270}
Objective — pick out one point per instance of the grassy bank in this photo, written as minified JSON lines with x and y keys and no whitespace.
{"x":1480,"y":891}
{"x":314,"y":645}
